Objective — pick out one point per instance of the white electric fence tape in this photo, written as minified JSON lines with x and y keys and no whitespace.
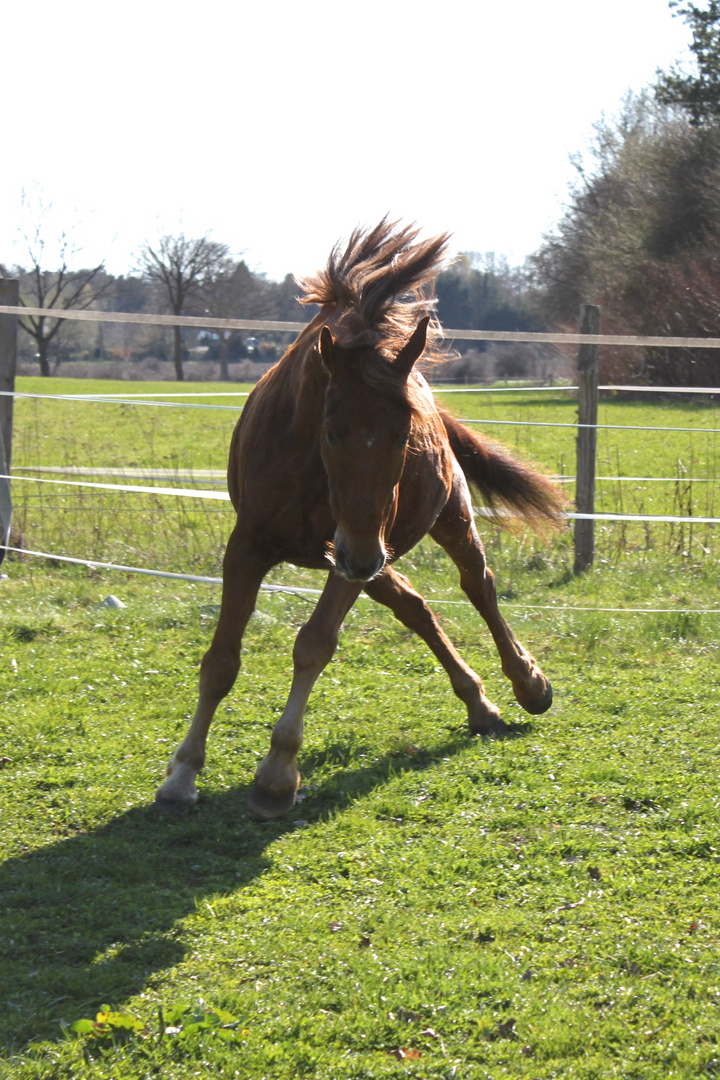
{"x":291,"y":590}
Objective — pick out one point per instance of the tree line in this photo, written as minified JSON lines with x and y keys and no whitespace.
{"x":640,"y":236}
{"x":177,"y":275}
{"x":186,"y":276}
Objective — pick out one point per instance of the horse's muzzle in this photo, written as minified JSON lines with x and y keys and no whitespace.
{"x":354,"y":569}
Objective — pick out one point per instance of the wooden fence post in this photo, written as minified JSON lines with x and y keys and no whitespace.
{"x":586,"y":439}
{"x":8,"y":361}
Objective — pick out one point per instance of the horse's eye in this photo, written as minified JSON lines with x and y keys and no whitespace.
{"x":332,"y":437}
{"x":403,"y":441}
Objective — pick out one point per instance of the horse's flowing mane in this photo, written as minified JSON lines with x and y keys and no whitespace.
{"x":374,"y":292}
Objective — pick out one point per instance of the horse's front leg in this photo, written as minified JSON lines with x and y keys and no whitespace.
{"x":277,"y":777}
{"x":455,"y":531}
{"x":242,"y":575}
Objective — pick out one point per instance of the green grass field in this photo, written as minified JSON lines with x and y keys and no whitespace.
{"x":435,"y":906}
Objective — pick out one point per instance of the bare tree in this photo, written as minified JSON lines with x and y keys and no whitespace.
{"x":236,"y":293}
{"x":60,"y":288}
{"x":48,"y":281}
{"x":63,"y":289}
{"x":182,"y":269}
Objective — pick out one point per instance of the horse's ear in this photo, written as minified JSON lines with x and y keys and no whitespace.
{"x":412,"y":350}
{"x":326,"y":347}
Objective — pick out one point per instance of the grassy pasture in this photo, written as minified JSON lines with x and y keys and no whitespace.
{"x":435,"y":906}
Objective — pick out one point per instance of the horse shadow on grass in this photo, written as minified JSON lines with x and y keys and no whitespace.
{"x":95,"y":917}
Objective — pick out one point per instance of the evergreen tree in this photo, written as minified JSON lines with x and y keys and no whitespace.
{"x":698,"y":94}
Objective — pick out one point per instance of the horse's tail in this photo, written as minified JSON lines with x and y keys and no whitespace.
{"x":503,"y":482}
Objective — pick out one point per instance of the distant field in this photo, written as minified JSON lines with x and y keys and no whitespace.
{"x":436,"y":906}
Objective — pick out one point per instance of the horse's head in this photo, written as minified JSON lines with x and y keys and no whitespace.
{"x":366,"y":428}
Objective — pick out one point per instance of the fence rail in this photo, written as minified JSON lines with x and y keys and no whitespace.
{"x":209,"y":322}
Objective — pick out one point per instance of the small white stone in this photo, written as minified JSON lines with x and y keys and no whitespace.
{"x":112,"y":602}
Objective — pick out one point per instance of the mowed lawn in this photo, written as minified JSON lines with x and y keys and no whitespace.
{"x":435,"y":905}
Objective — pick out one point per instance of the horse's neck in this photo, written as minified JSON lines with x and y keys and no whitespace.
{"x":303,"y":375}
{"x":299,"y":382}
{"x":310,"y":383}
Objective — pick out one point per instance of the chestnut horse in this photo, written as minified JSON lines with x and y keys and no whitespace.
{"x":342,"y":460}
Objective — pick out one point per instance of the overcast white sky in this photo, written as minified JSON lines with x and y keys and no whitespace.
{"x":277,"y":126}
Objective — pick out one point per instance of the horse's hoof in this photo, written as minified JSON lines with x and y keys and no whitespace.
{"x":535,"y":705}
{"x":270,"y":804}
{"x":484,"y":719}
{"x":179,"y":787}
{"x":490,"y":726}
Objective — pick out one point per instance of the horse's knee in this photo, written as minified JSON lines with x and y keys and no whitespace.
{"x":218,"y":670}
{"x":314,"y":647}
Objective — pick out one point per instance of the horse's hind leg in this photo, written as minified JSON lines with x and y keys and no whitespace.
{"x":242,"y":576}
{"x":395,"y":591}
{"x":277,"y":777}
{"x":455,"y":531}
